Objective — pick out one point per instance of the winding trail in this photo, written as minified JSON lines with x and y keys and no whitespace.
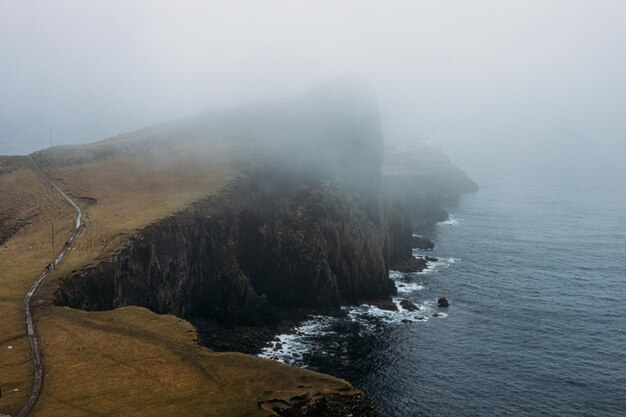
{"x":38,"y":370}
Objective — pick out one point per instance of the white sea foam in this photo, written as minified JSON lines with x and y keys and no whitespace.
{"x":395,"y":275}
{"x":433,"y":266}
{"x":289,"y":347}
{"x":443,"y":262}
{"x":404,"y":283}
{"x":408,"y":287}
{"x":452,"y":221}
{"x":292,"y":348}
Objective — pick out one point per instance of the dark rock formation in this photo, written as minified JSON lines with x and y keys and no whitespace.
{"x":442,"y":302}
{"x":408,"y":305}
{"x":431,"y":258}
{"x":332,"y":406}
{"x":411,"y":264}
{"x":383,"y":304}
{"x":417,"y":179}
{"x":428,"y":167}
{"x":398,"y":226}
{"x":306,"y":228}
{"x":309,"y":226}
{"x":241,"y":338}
{"x":242,"y":256}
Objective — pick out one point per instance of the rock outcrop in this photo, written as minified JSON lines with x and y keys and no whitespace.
{"x":310,"y":223}
{"x":303,"y":227}
{"x":408,"y":305}
{"x":240,"y":256}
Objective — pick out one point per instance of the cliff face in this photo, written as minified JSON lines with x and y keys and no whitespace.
{"x":425,"y":170}
{"x":311,"y":223}
{"x":417,"y":178}
{"x":242,"y":256}
{"x":303,"y":228}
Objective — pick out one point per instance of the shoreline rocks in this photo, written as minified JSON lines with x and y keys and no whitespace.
{"x":411,"y":264}
{"x":442,"y":302}
{"x":408,"y":305}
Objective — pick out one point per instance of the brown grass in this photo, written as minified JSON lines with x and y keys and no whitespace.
{"x":22,"y":258}
{"x":133,"y":362}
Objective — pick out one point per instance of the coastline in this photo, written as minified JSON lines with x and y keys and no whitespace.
{"x":248,"y":246}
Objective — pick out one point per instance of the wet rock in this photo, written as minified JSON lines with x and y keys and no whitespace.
{"x":431,"y":258}
{"x":419,"y":318}
{"x":407,"y":321}
{"x":355,"y":405}
{"x":255,"y":253}
{"x":302,"y":227}
{"x":436,"y":314}
{"x":384,"y":304}
{"x":442,"y":302}
{"x":408,"y":305}
{"x":411,"y":264}
{"x":418,"y":242}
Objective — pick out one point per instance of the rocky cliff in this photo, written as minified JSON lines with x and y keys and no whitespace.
{"x":418,"y":178}
{"x":304,"y":226}
{"x":243,"y":255}
{"x":310,"y":224}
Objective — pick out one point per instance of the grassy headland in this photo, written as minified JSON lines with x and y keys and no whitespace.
{"x":128,"y":361}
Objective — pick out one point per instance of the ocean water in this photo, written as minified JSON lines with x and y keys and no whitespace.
{"x":23,"y":146}
{"x":534,"y":267}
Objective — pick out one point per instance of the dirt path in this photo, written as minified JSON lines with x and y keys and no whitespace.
{"x":38,"y":370}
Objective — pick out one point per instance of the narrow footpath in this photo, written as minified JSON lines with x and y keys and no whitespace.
{"x":38,"y":368}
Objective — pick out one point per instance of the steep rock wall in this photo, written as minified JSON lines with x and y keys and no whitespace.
{"x":308,"y":227}
{"x":241,"y":259}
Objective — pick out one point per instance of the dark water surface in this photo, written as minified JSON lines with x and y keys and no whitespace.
{"x":535,"y":271}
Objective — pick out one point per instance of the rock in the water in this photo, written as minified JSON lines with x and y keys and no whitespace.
{"x":408,"y":305}
{"x":435,"y":314}
{"x":419,"y":318}
{"x":418,"y":242}
{"x":384,"y":304}
{"x":442,"y":302}
{"x":431,"y":258}
{"x":407,"y":321}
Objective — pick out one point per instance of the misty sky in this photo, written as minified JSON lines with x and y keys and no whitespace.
{"x":504,"y":77}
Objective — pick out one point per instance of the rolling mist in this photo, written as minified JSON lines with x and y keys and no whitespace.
{"x":540,"y":84}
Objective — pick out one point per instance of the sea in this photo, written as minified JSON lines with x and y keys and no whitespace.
{"x":534,"y":268}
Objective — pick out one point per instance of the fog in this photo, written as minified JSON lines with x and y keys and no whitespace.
{"x":541,"y":81}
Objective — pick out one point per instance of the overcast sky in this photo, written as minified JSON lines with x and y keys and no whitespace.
{"x":504,"y":76}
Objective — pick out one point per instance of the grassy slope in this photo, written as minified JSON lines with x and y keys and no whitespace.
{"x":128,"y":361}
{"x":23,"y":196}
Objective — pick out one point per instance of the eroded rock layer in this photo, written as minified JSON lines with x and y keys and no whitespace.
{"x":240,"y":256}
{"x":310,"y":223}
